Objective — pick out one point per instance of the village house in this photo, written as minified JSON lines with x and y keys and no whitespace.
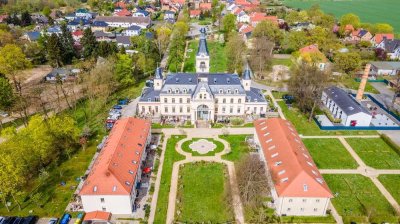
{"x":125,"y":22}
{"x":141,"y":13}
{"x":391,"y":47}
{"x":379,"y":37}
{"x":84,"y":13}
{"x":257,"y":17}
{"x":123,"y":13}
{"x":31,"y":36}
{"x":202,"y":96}
{"x":359,"y":35}
{"x":344,"y":107}
{"x":99,"y":26}
{"x":298,"y":187}
{"x":133,"y":31}
{"x":311,"y":54}
{"x":112,"y":182}
{"x":195,"y":13}
{"x":169,"y":15}
{"x":385,"y":67}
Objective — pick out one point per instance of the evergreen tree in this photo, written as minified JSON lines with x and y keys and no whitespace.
{"x":26,"y":19}
{"x":103,"y":49}
{"x":54,"y":50}
{"x":67,"y":44}
{"x":89,"y":44}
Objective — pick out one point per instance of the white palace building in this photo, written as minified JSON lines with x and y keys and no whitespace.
{"x":202,"y":95}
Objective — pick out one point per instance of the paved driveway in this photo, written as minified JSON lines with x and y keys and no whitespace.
{"x":130,"y":109}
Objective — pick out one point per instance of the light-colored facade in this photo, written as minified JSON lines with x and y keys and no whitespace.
{"x":298,"y":188}
{"x":201,"y":95}
{"x":343,"y":106}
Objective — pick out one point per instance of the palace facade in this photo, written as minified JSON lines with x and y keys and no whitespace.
{"x":202,"y":95}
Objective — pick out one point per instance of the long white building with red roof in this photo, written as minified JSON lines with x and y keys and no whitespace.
{"x":111,"y":183}
{"x":299,"y":188}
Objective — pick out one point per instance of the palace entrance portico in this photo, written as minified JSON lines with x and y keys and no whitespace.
{"x":203,"y":113}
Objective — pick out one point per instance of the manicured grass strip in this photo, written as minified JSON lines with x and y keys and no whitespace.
{"x":330,"y":154}
{"x":239,"y":147}
{"x":171,"y":156}
{"x":308,"y":219}
{"x":282,"y":61}
{"x":375,"y":152}
{"x":356,"y":198}
{"x":202,"y":194}
{"x":304,"y":127}
{"x":392,"y":184}
{"x":219,"y":147}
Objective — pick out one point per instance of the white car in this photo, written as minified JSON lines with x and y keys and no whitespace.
{"x":3,"y":114}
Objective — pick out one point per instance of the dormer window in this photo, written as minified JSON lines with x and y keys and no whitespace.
{"x":236,"y":91}
{"x":169,"y":91}
{"x":176,"y":90}
{"x":229,"y":91}
{"x":221,"y":91}
{"x":184,"y":90}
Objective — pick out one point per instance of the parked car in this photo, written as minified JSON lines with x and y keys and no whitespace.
{"x":79,"y":218}
{"x":3,"y":113}
{"x":117,"y":107}
{"x":30,"y":220}
{"x":114,"y":117}
{"x":8,"y":220}
{"x":2,"y":219}
{"x":123,"y":101}
{"x":65,"y":218}
{"x":18,"y":220}
{"x":114,"y":112}
{"x":53,"y":221}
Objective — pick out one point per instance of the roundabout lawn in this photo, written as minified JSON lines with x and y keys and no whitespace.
{"x":202,"y":194}
{"x":186,"y":146}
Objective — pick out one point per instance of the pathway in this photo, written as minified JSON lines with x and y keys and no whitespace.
{"x":237,"y":204}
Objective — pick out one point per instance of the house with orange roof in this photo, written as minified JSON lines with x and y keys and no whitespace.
{"x":113,"y":179}
{"x":123,"y":12}
{"x":359,"y":35}
{"x":120,"y":4}
{"x":257,"y":17}
{"x":349,"y":28}
{"x":205,"y":6}
{"x":379,"y":37}
{"x":311,"y":54}
{"x":194,"y":13}
{"x":298,"y":187}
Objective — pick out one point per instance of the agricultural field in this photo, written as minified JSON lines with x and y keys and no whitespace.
{"x":202,"y":195}
{"x":369,"y":11}
{"x":329,"y":154}
{"x":357,"y":199}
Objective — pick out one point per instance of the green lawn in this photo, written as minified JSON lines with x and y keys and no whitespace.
{"x":330,"y":154}
{"x":171,"y":156}
{"x":391,"y":183}
{"x":350,"y":83}
{"x":239,"y":147}
{"x":357,"y":197}
{"x":218,"y":61}
{"x":375,"y":153}
{"x":202,"y":195}
{"x":286,"y":61}
{"x":278,"y":95}
{"x":219,"y":147}
{"x":304,"y":127}
{"x":369,"y":11}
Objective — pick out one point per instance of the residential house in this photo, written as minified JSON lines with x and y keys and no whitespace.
{"x":379,"y":37}
{"x":77,"y":35}
{"x":133,"y":31}
{"x":104,"y":36}
{"x":53,"y":29}
{"x":125,"y":22}
{"x":205,"y":6}
{"x":195,"y":13}
{"x":78,"y":23}
{"x":31,"y":36}
{"x":344,"y":107}
{"x":123,"y":12}
{"x":385,"y":67}
{"x":302,"y":26}
{"x":257,"y":17}
{"x":312,"y":54}
{"x":391,"y":47}
{"x":298,"y":188}
{"x":169,"y":15}
{"x":242,"y":17}
{"x":112,"y":182}
{"x":97,"y":217}
{"x":70,"y":16}
{"x":348,"y":29}
{"x":99,"y":26}
{"x":120,"y":4}
{"x":123,"y":41}
{"x":141,"y":13}
{"x":360,"y":35}
{"x":83,"y":13}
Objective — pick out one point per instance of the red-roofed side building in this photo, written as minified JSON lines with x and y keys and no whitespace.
{"x":299,"y":188}
{"x":97,"y":216}
{"x":205,"y":6}
{"x":195,"y":13}
{"x":379,"y":37}
{"x":111,"y":183}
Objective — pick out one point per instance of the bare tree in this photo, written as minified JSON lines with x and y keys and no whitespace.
{"x":306,"y":85}
{"x":261,"y":55}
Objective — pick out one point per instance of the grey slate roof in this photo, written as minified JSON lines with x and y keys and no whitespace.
{"x":391,"y":45}
{"x":203,"y":49}
{"x":387,"y":65}
{"x":343,"y":100}
{"x":33,"y":36}
{"x":149,"y":95}
{"x":125,"y":40}
{"x":247,"y":73}
{"x":158,"y":74}
{"x":255,"y":95}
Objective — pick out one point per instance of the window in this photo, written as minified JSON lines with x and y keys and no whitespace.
{"x":278,"y":163}
{"x":281,"y":172}
{"x":304,"y":200}
{"x":143,"y":110}
{"x":229,"y":91}
{"x":305,"y":188}
{"x":239,"y":100}
{"x":261,"y":109}
{"x":173,"y":100}
{"x":224,"y":100}
{"x":223,"y":110}
{"x":173,"y":109}
{"x":180,"y":109}
{"x":231,"y":110}
{"x":102,"y":200}
{"x":188,"y":109}
{"x":149,"y":109}
{"x":165,"y":100}
{"x":169,"y":91}
{"x":274,"y":155}
{"x":231,"y":100}
{"x":288,"y":209}
{"x":184,"y":90}
{"x":315,"y":209}
{"x":236,"y":91}
{"x":156,"y":109}
{"x":166,"y":109}
{"x":180,"y":100}
{"x":216,"y":100}
{"x":221,"y":91}
{"x":238,"y":110}
{"x":302,"y":209}
{"x":317,"y":200}
{"x":176,"y":90}
{"x":290,"y":200}
{"x":188,"y":100}
{"x":255,"y":109}
{"x":157,"y":99}
{"x":103,"y":209}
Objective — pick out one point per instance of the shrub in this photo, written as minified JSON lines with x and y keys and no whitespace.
{"x":237,"y":121}
{"x":331,"y":118}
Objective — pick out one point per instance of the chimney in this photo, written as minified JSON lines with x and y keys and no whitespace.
{"x":363,"y":82}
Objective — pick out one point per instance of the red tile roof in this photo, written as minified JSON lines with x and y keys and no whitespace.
{"x":120,"y":4}
{"x":115,"y":169}
{"x":379,"y":37}
{"x":349,"y":27}
{"x":248,"y":29}
{"x":259,"y":16}
{"x":97,"y":215}
{"x":205,"y":6}
{"x":124,"y":12}
{"x":310,"y":49}
{"x":293,"y":171}
{"x":195,"y":12}
{"x":78,"y":33}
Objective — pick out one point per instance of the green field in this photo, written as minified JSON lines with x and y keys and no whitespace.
{"x":369,"y":11}
{"x":239,"y":147}
{"x":330,"y":154}
{"x":375,"y":153}
{"x":391,"y":183}
{"x":202,"y":196}
{"x":356,"y":198}
{"x":171,"y":156}
{"x":217,"y":57}
{"x":219,"y":147}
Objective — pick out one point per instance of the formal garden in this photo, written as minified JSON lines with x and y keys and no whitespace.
{"x":357,"y":199}
{"x":203,"y":194}
{"x":202,"y":146}
{"x":392,"y":184}
{"x":329,"y":153}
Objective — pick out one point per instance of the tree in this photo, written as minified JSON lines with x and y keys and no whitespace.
{"x":6,"y":94}
{"x":347,"y":62}
{"x":260,"y":55}
{"x":382,"y":28}
{"x":350,"y":19}
{"x":54,"y":50}
{"x":296,"y":40}
{"x":269,"y":30}
{"x":235,"y":50}
{"x":26,"y":19}
{"x":162,"y":40}
{"x":306,"y":85}
{"x":6,"y":38}
{"x":229,"y":24}
{"x":296,"y":17}
{"x":46,"y":11}
{"x":123,"y":70}
{"x":67,"y":45}
{"x":12,"y":59}
{"x":89,"y":43}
